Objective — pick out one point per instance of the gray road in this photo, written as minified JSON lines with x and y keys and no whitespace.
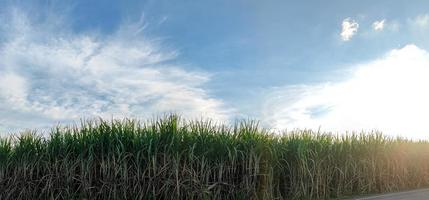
{"x":422,"y":194}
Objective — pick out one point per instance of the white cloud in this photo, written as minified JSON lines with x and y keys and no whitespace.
{"x":378,"y":25}
{"x":49,"y":74}
{"x":388,"y":94}
{"x":349,"y":29}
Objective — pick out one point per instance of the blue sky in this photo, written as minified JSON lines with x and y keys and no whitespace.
{"x":290,"y":64}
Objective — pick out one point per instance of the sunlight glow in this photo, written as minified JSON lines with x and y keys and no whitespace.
{"x":389,"y":94}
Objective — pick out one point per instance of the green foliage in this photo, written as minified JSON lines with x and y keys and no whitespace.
{"x":170,"y":158}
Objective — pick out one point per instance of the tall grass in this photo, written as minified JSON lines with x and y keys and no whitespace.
{"x":170,"y":158}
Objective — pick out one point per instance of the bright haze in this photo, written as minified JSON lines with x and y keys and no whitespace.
{"x":336,"y":66}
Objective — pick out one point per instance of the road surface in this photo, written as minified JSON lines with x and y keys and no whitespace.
{"x":422,"y":194}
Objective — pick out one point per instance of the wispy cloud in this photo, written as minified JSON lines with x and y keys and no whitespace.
{"x":421,"y":21}
{"x":388,"y":94}
{"x":349,"y":28}
{"x":50,"y":74}
{"x":378,"y":25}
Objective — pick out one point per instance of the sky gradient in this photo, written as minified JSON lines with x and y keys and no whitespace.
{"x":342,"y":65}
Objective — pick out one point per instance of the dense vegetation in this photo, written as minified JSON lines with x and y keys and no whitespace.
{"x":170,"y":158}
